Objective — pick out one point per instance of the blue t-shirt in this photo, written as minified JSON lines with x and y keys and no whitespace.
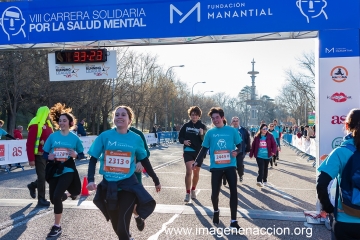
{"x":221,"y":141}
{"x":334,"y":165}
{"x":116,"y":153}
{"x":60,"y":146}
{"x":2,"y":132}
{"x":276,"y":132}
{"x":263,"y":151}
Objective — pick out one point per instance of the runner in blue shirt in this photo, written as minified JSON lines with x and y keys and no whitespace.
{"x":224,"y":143}
{"x":60,"y":150}
{"x":3,"y":132}
{"x":119,"y":190}
{"x":278,"y":130}
{"x":344,"y":226}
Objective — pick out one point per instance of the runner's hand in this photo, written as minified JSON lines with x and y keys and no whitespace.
{"x":201,"y":131}
{"x":91,"y":186}
{"x":32,"y":164}
{"x":139,"y":168}
{"x":158,"y":188}
{"x":234,"y":153}
{"x":51,"y":156}
{"x":72,"y":153}
{"x":187,"y":143}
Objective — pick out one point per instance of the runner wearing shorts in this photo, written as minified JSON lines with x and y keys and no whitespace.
{"x":191,"y":135}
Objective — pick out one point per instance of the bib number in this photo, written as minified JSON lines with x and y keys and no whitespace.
{"x":118,"y":162}
{"x":222,"y":156}
{"x":61,"y":154}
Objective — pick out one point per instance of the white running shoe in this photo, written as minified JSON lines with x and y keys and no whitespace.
{"x":187,"y":197}
{"x":260,"y":184}
{"x":193,"y":194}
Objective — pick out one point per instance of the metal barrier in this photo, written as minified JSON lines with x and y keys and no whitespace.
{"x":304,"y":148}
{"x":167,"y":138}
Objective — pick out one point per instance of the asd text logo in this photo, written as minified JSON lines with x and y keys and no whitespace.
{"x":338,"y":119}
{"x":173,"y":8}
{"x":339,"y":97}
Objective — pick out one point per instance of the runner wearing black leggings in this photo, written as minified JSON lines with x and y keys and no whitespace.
{"x":60,"y":150}
{"x":119,"y":190}
{"x":221,"y":140}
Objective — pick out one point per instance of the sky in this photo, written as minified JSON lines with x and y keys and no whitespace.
{"x":224,"y":66}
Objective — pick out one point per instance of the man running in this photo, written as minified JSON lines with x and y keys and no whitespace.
{"x":192,"y":135}
{"x":277,"y":132}
{"x":221,"y":140}
{"x":245,"y":146}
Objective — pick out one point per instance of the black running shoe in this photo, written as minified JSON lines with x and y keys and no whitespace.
{"x":216,"y":217}
{"x":140,"y":223}
{"x":241,"y":179}
{"x":235,"y":225}
{"x":32,"y":190}
{"x":55,"y":231}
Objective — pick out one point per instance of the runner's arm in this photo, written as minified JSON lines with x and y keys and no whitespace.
{"x":200,"y":157}
{"x":238,"y":148}
{"x":149,"y":170}
{"x":91,"y":169}
{"x":9,"y":136}
{"x":322,"y":192}
{"x":182,"y":135}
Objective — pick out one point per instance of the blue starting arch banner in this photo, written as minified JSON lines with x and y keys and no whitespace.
{"x":71,"y":21}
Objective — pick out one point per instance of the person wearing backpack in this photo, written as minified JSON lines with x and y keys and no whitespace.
{"x":343,"y":163}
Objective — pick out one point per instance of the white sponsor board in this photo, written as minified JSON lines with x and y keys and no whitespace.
{"x":83,"y":71}
{"x":14,"y":151}
{"x":338,"y":93}
{"x":150,"y":138}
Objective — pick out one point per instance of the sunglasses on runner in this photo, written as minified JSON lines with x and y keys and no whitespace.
{"x":264,"y":129}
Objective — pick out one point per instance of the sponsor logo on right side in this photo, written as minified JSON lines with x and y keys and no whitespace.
{"x":336,"y":142}
{"x":339,"y":97}
{"x":339,"y":74}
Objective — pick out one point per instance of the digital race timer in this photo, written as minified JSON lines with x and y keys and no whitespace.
{"x":80,"y":56}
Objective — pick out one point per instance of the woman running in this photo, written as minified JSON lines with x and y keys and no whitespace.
{"x":60,"y":150}
{"x":192,"y":135}
{"x":221,"y":140}
{"x":120,"y":190}
{"x":263,"y":148}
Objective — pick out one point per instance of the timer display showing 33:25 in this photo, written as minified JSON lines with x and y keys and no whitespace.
{"x":81,"y":56}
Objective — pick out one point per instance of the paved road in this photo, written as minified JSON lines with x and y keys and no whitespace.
{"x":277,"y":208}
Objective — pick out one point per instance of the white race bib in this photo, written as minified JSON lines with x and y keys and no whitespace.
{"x":222,"y":156}
{"x":116,"y":161}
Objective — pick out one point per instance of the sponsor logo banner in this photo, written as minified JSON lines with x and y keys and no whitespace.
{"x":88,"y":20}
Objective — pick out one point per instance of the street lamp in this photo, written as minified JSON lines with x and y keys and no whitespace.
{"x":192,"y":93}
{"x":207,"y":91}
{"x":166,"y":102}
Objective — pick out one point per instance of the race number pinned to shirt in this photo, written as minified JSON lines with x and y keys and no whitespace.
{"x":118,"y":162}
{"x":61,"y":154}
{"x":222,"y":156}
{"x":262,"y":144}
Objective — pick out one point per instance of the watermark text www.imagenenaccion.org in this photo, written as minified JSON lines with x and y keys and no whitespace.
{"x":255,"y":231}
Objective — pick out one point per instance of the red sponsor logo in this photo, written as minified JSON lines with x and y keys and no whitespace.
{"x":338,"y":119}
{"x":2,"y":150}
{"x":339,"y":97}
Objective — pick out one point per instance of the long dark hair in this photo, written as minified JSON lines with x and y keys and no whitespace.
{"x":353,"y":125}
{"x":261,"y":127}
